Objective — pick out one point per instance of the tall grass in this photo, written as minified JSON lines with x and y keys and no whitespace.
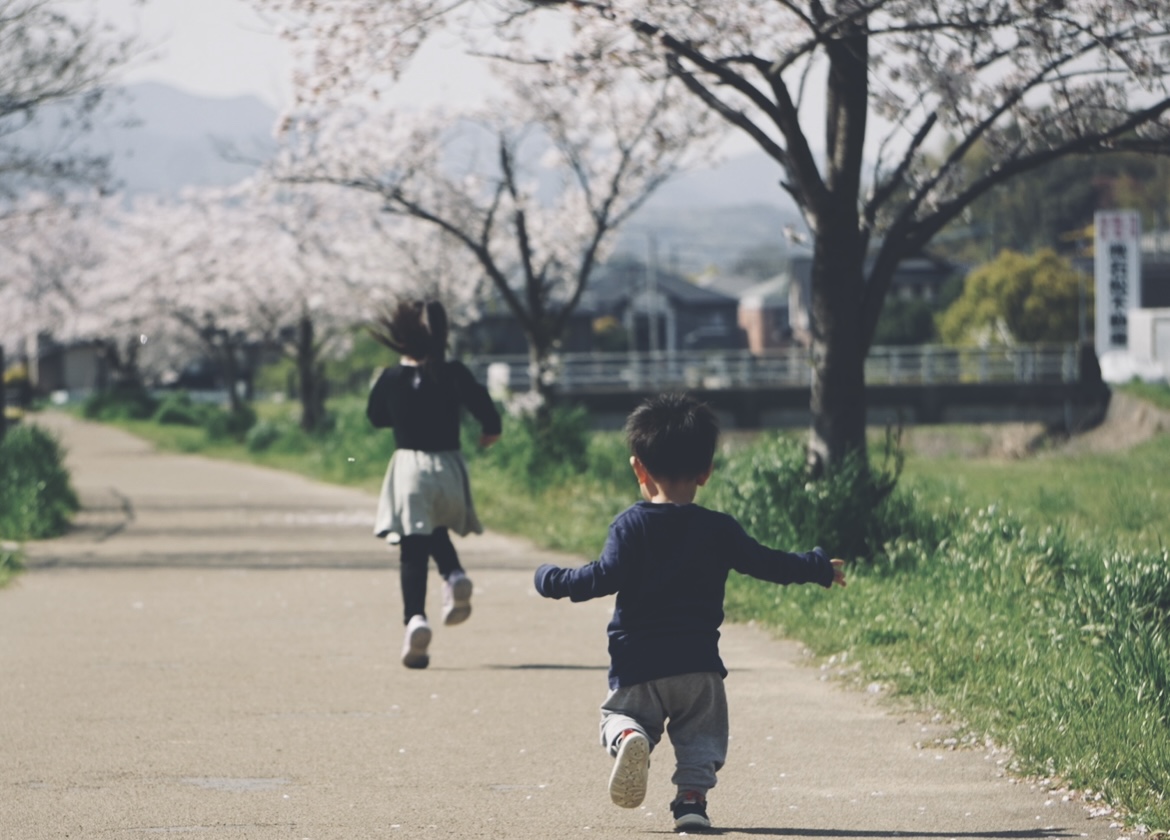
{"x":1121,"y":499}
{"x":1034,"y":639}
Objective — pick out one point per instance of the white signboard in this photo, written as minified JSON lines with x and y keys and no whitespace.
{"x":1118,"y":276}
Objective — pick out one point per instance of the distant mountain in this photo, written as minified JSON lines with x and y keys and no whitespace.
{"x":163,"y":140}
{"x":751,"y":178}
{"x":702,"y":237}
{"x":709,"y":218}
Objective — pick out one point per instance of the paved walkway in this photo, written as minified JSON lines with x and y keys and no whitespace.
{"x":213,"y":653}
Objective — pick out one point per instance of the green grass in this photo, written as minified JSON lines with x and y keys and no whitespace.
{"x":1027,"y":601}
{"x":36,"y":497}
{"x":1155,"y":393}
{"x":1029,"y":639}
{"x":1121,"y":499}
{"x":10,"y":561}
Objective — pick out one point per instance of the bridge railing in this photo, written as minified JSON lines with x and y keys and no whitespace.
{"x":715,"y":370}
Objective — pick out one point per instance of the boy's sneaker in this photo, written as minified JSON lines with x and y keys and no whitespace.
{"x":631,"y":770}
{"x":690,"y":811}
{"x":456,"y":598}
{"x":414,"y":646}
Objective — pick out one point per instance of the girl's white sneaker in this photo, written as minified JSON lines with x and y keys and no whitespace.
{"x":414,"y":646}
{"x":456,"y":598}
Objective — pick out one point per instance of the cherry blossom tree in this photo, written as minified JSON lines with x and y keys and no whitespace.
{"x":120,"y":304}
{"x":260,"y":266}
{"x":408,"y":257}
{"x":55,"y":68}
{"x":533,"y":184}
{"x":319,"y":251}
{"x":46,"y":248}
{"x":53,"y":74}
{"x":847,"y":97}
{"x":194,"y":260}
{"x":216,"y":273}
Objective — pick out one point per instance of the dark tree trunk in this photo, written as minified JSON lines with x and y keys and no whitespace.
{"x":840,"y":343}
{"x":310,"y":375}
{"x":224,"y":349}
{"x":123,"y":365}
{"x":3,"y":398}
{"x":839,"y":350}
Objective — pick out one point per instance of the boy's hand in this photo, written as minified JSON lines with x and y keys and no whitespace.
{"x":838,"y":572}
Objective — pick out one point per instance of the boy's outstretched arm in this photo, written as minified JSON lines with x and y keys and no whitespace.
{"x":594,"y":580}
{"x":550,"y":581}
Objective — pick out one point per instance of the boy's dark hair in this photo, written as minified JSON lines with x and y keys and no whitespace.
{"x":673,"y":435}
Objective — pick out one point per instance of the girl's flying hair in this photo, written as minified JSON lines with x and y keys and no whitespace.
{"x":414,"y":328}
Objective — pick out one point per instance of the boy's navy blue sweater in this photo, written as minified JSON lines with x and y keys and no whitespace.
{"x":668,"y":565}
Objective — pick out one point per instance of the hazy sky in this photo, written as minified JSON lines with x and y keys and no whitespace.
{"x":225,"y":48}
{"x":208,"y":47}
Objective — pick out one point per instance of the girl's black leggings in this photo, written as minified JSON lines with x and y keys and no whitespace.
{"x":413,"y":564}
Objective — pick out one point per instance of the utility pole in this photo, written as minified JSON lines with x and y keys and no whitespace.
{"x":652,"y":293}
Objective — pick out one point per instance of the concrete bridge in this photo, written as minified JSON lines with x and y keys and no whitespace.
{"x":1058,"y":385}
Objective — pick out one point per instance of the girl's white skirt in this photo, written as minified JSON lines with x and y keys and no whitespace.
{"x":423,"y":491}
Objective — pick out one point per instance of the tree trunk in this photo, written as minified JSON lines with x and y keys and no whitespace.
{"x":3,"y":398}
{"x":309,"y":374}
{"x":225,"y":349}
{"x":840,"y":344}
{"x":838,"y":352}
{"x":121,"y":365}
{"x":540,"y":370}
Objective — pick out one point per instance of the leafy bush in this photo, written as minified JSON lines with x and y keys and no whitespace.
{"x":36,"y":498}
{"x":126,"y":402}
{"x":853,"y":513}
{"x":261,"y":436}
{"x":178,"y":409}
{"x":234,"y":424}
{"x":539,"y":447}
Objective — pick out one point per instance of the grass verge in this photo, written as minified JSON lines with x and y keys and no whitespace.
{"x":36,"y":497}
{"x":10,"y":561}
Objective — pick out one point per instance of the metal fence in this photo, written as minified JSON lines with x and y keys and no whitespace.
{"x":712,"y":370}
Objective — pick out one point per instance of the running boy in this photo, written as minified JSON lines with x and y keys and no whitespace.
{"x":668,"y":560}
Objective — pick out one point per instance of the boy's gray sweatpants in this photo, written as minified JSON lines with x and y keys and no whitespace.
{"x":693,"y":709}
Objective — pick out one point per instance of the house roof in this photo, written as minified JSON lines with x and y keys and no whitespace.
{"x":733,"y":285}
{"x":772,"y":292}
{"x":613,"y":284}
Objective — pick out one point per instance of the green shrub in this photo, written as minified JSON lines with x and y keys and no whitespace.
{"x":230,"y":424}
{"x":178,"y":409}
{"x":36,"y":498}
{"x":125,"y":402}
{"x":852,"y":513}
{"x":261,"y":436}
{"x":540,"y":447}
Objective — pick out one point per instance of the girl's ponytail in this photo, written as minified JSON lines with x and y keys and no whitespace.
{"x":417,"y":329}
